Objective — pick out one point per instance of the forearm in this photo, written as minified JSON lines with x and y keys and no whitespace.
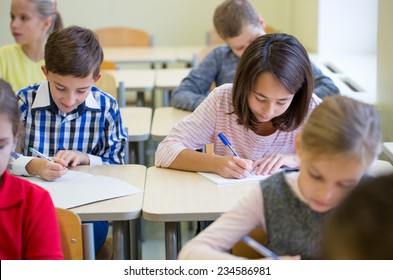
{"x":195,"y":161}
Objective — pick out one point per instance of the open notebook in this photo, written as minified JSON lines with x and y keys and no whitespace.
{"x":79,"y":188}
{"x":217,"y":179}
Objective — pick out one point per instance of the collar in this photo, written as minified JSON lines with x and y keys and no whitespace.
{"x":43,"y":100}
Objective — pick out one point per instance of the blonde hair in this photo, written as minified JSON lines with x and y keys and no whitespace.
{"x":342,"y":126}
{"x":48,"y":8}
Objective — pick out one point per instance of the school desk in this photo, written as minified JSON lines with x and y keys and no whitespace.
{"x":123,"y":211}
{"x":138,"y":122}
{"x":146,"y":55}
{"x":169,"y":79}
{"x":172,"y":196}
{"x":164,"y":119}
{"x":139,"y":80}
{"x":188,"y":54}
{"x":388,"y":149}
{"x":355,"y":75}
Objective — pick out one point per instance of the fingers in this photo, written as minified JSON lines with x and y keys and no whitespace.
{"x":69,"y":157}
{"x":268,"y":165}
{"x":238,"y":168}
{"x":53,"y":171}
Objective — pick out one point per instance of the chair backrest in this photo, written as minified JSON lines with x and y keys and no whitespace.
{"x":108,"y":65}
{"x":107,"y":83}
{"x":123,"y":37}
{"x":71,"y":234}
{"x":241,"y":249}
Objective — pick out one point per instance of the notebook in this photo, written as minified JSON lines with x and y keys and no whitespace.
{"x":79,"y":188}
{"x":219,"y":180}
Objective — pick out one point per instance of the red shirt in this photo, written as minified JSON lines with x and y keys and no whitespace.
{"x":28,"y":222}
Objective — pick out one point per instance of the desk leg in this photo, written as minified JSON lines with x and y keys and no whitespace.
{"x":171,"y":245}
{"x":121,"y":240}
{"x":140,"y":101}
{"x":135,"y":240}
{"x":122,"y":94}
{"x":141,"y":153}
{"x":165,"y":98}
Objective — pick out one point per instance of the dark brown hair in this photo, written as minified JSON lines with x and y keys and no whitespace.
{"x":73,"y":51}
{"x":362,"y":226}
{"x":230,"y":17}
{"x":9,"y":106}
{"x":283,"y":56}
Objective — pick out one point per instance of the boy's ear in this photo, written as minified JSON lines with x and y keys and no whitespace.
{"x":43,"y":68}
{"x":97,"y":78}
{"x":298,"y":146}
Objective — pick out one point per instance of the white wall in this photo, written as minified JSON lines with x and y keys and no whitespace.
{"x":385,"y":67}
{"x":172,"y":22}
{"x":347,"y":26}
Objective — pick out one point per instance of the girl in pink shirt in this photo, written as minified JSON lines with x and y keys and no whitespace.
{"x":29,"y":228}
{"x":260,"y":114}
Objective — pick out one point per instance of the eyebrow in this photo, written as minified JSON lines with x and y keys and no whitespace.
{"x":282,"y":99}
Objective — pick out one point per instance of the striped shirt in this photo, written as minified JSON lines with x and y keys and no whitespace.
{"x":210,"y":118}
{"x":95,"y":127}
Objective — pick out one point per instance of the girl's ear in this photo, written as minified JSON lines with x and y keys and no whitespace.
{"x":298,"y":146}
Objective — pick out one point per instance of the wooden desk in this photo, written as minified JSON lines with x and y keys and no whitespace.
{"x":140,"y":80}
{"x":188,"y":54}
{"x":172,"y":196}
{"x":164,"y":119}
{"x":168,"y":79}
{"x":123,"y":211}
{"x":388,"y":149}
{"x":149,"y":55}
{"x":138,"y":121}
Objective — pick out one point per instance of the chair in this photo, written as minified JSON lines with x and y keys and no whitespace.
{"x":123,"y":37}
{"x":107,"y":83}
{"x":108,"y":65}
{"x":77,"y":240}
{"x":241,"y":249}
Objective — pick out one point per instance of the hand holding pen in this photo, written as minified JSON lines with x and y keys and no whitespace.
{"x":236,"y":166}
{"x":47,"y":168}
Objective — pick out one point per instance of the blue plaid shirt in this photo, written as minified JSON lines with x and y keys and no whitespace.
{"x":219,"y":66}
{"x":95,"y":127}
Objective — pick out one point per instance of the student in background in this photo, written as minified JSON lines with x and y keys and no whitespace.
{"x":362,"y":227}
{"x":260,"y":114}
{"x":29,"y":228}
{"x":339,"y":142}
{"x":238,"y":24}
{"x":32,"y":21}
{"x":66,"y":117}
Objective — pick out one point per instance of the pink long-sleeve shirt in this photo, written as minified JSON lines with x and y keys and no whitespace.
{"x":210,"y":118}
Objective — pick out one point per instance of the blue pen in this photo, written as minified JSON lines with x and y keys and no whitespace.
{"x":38,"y":154}
{"x":227,"y":143}
{"x":260,"y":248}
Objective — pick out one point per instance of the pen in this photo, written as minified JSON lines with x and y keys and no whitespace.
{"x":260,"y":248}
{"x":38,"y":154}
{"x":227,"y":143}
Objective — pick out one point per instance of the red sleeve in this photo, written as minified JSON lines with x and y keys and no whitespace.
{"x":41,"y":232}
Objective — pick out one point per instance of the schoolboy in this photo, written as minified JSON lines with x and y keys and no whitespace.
{"x":66,"y":117}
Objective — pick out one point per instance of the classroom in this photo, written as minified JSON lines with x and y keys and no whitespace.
{"x":160,"y":203}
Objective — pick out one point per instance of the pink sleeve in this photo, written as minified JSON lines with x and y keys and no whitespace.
{"x":216,"y":240}
{"x":193,"y":132}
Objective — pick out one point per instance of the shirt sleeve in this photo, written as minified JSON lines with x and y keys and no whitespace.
{"x":196,"y":86}
{"x":323,"y":85}
{"x":217,"y":240}
{"x":114,"y":139}
{"x":17,"y":164}
{"x":42,"y":235}
{"x":193,"y":132}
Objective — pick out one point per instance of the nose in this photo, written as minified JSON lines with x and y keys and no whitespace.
{"x":268,"y":110}
{"x":325,"y":193}
{"x":69,"y":100}
{"x":14,"y":23}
